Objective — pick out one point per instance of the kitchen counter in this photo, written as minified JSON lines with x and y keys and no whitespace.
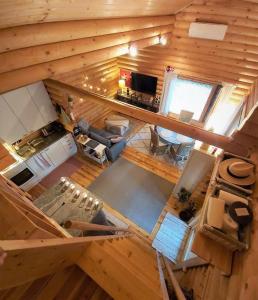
{"x":48,"y":140}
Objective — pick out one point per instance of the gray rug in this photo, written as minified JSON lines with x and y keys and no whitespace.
{"x":136,"y":193}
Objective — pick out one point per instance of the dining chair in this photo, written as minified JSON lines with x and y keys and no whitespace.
{"x":182,"y":152}
{"x":156,"y":145}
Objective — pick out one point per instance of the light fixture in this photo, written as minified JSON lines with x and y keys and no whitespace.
{"x":105,"y":90}
{"x":121,"y":85}
{"x":91,"y":87}
{"x":86,"y":77}
{"x":85,"y":84}
{"x":102,"y":79}
{"x":162,"y":40}
{"x":98,"y":89}
{"x":81,"y":100}
{"x":133,"y":50}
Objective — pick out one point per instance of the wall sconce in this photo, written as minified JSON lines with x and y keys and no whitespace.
{"x":162,"y":40}
{"x":133,"y":50}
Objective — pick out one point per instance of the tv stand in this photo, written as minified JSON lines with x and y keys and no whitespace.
{"x":144,"y":101}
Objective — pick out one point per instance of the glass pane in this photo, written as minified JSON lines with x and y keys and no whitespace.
{"x":188,"y":95}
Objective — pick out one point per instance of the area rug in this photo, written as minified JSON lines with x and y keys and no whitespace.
{"x":136,"y":193}
{"x":66,"y":169}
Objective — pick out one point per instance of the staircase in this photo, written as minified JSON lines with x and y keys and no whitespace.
{"x":207,"y":282}
{"x":125,"y":268}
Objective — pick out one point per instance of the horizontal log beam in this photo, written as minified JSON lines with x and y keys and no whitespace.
{"x":14,"y":79}
{"x":192,"y":131}
{"x":46,"y":33}
{"x":22,"y":58}
{"x":28,"y":260}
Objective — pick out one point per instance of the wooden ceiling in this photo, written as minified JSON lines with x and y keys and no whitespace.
{"x":20,"y":12}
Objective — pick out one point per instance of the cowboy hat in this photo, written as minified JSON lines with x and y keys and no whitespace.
{"x":237,"y":171}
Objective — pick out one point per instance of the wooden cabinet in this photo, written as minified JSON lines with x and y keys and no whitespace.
{"x":41,"y":99}
{"x":11,"y":128}
{"x":25,"y":109}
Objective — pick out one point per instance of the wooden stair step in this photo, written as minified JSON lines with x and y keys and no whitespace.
{"x":133,"y":262}
{"x":114,"y":277}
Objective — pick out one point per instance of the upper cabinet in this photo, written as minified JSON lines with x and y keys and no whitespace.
{"x":11,"y":129}
{"x":25,"y":110}
{"x":40,"y":97}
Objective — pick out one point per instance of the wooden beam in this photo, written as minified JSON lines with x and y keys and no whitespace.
{"x":14,"y":79}
{"x":28,"y":260}
{"x":25,"y":57}
{"x":85,"y":226}
{"x":46,"y":33}
{"x":162,"y":278}
{"x":175,"y":284}
{"x":153,"y":118}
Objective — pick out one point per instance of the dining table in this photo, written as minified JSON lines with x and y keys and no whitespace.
{"x":173,"y":137}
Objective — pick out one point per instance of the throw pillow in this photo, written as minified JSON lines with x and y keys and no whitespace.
{"x":117,"y":139}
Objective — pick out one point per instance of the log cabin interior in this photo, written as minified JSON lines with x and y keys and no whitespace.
{"x":128,"y":149}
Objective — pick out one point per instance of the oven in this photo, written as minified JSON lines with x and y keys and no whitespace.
{"x":22,"y":176}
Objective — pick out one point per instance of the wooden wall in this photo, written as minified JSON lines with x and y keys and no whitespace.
{"x":70,"y":283}
{"x":34,"y":52}
{"x":233,"y":60}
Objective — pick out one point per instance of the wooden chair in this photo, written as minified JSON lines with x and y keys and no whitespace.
{"x":156,"y":146}
{"x":182,"y":152}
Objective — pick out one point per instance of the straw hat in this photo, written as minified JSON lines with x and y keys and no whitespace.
{"x":237,"y":171}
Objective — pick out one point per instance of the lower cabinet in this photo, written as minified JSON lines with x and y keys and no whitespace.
{"x":53,"y":156}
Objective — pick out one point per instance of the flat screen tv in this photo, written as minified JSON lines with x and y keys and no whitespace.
{"x":144,"y":83}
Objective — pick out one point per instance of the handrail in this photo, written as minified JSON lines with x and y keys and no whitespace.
{"x":162,"y":278}
{"x":176,"y":286}
{"x":73,"y":224}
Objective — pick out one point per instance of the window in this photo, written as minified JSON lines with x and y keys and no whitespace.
{"x":190,"y":95}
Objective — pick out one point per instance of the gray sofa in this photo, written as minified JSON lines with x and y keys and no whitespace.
{"x":104,"y":137}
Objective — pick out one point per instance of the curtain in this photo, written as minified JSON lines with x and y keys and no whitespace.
{"x":168,"y":86}
{"x":224,"y":111}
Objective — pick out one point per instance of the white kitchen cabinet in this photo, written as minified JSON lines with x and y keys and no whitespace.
{"x":56,"y":153}
{"x":11,"y":129}
{"x":69,"y":144}
{"x":41,"y":99}
{"x":25,"y":109}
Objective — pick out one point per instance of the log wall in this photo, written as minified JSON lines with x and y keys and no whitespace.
{"x":233,"y":60}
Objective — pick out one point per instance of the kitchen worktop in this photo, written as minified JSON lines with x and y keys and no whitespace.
{"x":48,"y":140}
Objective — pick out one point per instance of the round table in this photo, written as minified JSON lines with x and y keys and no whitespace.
{"x":172,"y":137}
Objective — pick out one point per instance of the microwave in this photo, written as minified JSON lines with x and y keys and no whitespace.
{"x":22,"y":176}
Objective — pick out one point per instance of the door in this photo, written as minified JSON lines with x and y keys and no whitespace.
{"x":24,"y":108}
{"x":41,"y":99}
{"x":56,"y":153}
{"x":11,"y":129}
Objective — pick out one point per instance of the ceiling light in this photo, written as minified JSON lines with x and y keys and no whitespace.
{"x":98,"y":89}
{"x":86,"y":78}
{"x":105,"y":90}
{"x":81,"y":100}
{"x":162,"y":40}
{"x":91,"y":87}
{"x":133,"y":50}
{"x":85,"y":84}
{"x":103,"y":79}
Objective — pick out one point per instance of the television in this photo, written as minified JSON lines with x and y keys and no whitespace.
{"x":144,"y":83}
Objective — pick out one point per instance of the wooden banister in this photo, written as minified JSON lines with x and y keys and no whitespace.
{"x":73,"y":224}
{"x":176,"y":286}
{"x":162,"y":278}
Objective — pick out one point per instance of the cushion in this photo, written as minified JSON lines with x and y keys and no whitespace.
{"x":116,"y":139}
{"x":100,"y":139}
{"x":215,"y":212}
{"x":84,"y":126}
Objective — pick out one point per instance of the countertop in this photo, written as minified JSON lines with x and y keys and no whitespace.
{"x":48,"y":140}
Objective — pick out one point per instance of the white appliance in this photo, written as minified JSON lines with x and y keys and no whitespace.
{"x":208,"y":31}
{"x":22,"y":175}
